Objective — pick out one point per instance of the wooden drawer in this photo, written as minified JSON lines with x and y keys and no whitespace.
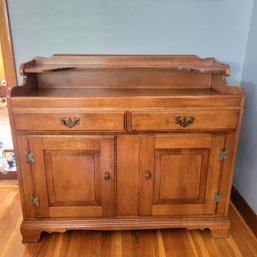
{"x":166,"y":121}
{"x":69,"y":121}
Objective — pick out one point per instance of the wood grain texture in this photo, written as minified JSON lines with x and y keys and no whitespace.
{"x":166,"y":121}
{"x":127,"y":175}
{"x":88,"y":121}
{"x":157,"y":243}
{"x":178,"y":175}
{"x":116,"y":92}
{"x":154,"y":170}
{"x":75,"y":187}
{"x":183,"y":166}
{"x":125,"y":101}
{"x":83,"y":61}
{"x":122,"y":78}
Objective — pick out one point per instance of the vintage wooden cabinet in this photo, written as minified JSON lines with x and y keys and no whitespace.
{"x":107,"y":142}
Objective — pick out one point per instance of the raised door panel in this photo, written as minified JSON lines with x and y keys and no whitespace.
{"x":180,"y":174}
{"x":66,"y":188}
{"x":73,"y":176}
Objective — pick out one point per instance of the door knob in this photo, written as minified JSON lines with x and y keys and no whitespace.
{"x":107,"y":175}
{"x":148,"y":174}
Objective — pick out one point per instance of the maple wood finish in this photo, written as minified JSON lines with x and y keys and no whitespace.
{"x":125,"y":142}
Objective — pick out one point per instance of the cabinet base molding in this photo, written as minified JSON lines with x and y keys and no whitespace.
{"x":31,"y":230}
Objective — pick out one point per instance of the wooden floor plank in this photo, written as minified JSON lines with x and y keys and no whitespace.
{"x":159,"y":245}
{"x":204,"y":243}
{"x":177,"y":243}
{"x":8,"y":197}
{"x":116,"y":246}
{"x":150,"y":243}
{"x":127,"y":244}
{"x":85,"y":244}
{"x":35,"y":249}
{"x":143,"y":244}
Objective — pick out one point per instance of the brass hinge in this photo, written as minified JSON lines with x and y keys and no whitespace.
{"x":34,"y":199}
{"x":217,"y":197}
{"x":223,"y":154}
{"x":29,"y":155}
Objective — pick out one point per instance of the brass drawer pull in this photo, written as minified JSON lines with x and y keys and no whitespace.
{"x":184,"y":121}
{"x":148,"y":174}
{"x":70,"y":123}
{"x":107,"y":175}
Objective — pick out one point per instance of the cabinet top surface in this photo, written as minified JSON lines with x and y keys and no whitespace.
{"x":80,"y":62}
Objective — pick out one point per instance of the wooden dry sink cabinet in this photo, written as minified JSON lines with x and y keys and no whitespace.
{"x":119,"y":142}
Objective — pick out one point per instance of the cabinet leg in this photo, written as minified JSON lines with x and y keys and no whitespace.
{"x":30,"y":235}
{"x":219,"y":232}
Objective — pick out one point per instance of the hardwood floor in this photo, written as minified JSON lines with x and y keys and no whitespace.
{"x":164,"y":243}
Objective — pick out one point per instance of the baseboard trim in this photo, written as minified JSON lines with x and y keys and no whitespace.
{"x":245,"y":210}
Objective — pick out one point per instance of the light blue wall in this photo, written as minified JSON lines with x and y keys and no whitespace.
{"x":216,"y":28}
{"x":245,"y":178}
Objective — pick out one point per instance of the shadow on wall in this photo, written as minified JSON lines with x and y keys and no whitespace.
{"x":247,"y":151}
{"x":234,"y":73}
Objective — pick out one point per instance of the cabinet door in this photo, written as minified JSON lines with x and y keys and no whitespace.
{"x":72,"y":176}
{"x":180,"y":174}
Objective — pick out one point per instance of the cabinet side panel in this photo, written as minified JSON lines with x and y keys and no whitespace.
{"x":127,"y":175}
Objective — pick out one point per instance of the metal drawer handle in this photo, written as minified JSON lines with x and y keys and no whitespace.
{"x":70,"y":123}
{"x":184,"y":121}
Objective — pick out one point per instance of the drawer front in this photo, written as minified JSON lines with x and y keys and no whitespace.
{"x":165,"y":121}
{"x":86,"y":121}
